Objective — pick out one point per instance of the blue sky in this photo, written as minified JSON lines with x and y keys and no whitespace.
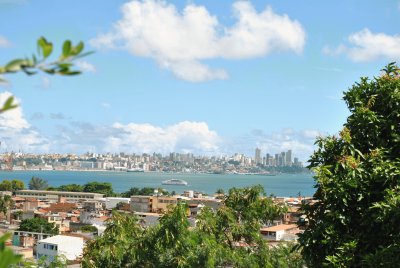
{"x":208,"y":77}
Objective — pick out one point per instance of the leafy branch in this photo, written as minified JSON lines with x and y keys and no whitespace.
{"x":30,"y":66}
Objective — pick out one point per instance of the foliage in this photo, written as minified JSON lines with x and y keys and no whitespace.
{"x":12,"y":185}
{"x":7,"y":256}
{"x":355,"y":221}
{"x":122,"y":205}
{"x":69,"y":188}
{"x":220,"y":191}
{"x":89,"y":229}
{"x":59,"y":261}
{"x":37,"y":184}
{"x":30,"y":66}
{"x":63,"y":66}
{"x":38,"y":225}
{"x":6,"y":203}
{"x":119,"y":241}
{"x":143,"y":191}
{"x":99,"y":187}
{"x":6,"y":186}
{"x":229,"y":237}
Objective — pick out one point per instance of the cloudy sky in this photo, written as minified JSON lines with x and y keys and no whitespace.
{"x":207,"y":77}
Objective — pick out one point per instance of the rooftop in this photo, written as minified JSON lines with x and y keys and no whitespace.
{"x":280,"y":227}
{"x":59,"y":239}
{"x":56,"y":192}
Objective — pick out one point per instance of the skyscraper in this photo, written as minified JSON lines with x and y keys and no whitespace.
{"x":257,"y":157}
{"x":289,"y":158}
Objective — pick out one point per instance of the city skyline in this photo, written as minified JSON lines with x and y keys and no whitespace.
{"x":207,"y":77}
{"x":237,"y":163}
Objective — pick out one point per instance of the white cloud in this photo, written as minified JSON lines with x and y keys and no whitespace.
{"x":301,"y":142}
{"x":182,"y":137}
{"x":15,"y":131}
{"x":4,"y":42}
{"x":194,"y":137}
{"x":366,"y":46}
{"x":86,"y":66}
{"x":180,"y":41}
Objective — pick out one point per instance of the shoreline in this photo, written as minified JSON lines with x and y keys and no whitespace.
{"x":154,"y":172}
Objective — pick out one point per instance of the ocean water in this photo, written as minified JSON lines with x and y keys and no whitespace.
{"x":279,"y":185}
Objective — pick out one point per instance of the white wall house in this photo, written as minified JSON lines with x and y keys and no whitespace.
{"x":280,"y":232}
{"x":69,"y":246}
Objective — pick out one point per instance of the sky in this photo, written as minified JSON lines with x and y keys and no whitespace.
{"x":204,"y":77}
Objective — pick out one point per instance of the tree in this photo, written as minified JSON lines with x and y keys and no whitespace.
{"x":118,"y":242}
{"x":6,"y":186}
{"x":17,"y":185}
{"x":7,"y":256}
{"x":89,"y":229}
{"x":6,"y":203}
{"x":220,"y":191}
{"x":70,"y":188}
{"x":58,"y":261}
{"x":229,"y":237}
{"x":355,"y":221}
{"x":143,"y":191}
{"x":11,"y":186}
{"x":37,"y":184}
{"x":38,"y":225}
{"x":99,"y":187}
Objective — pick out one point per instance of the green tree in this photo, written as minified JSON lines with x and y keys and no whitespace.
{"x":143,"y":191}
{"x":7,"y":256}
{"x":229,"y":237}
{"x":99,"y":187}
{"x":11,"y":186}
{"x":17,"y":185}
{"x":37,"y":184}
{"x":59,"y":261}
{"x":220,"y":191}
{"x":38,"y":225}
{"x":355,"y":221}
{"x":119,"y":242}
{"x":6,"y":203}
{"x":6,"y":185}
{"x":89,"y":229}
{"x":70,"y":188}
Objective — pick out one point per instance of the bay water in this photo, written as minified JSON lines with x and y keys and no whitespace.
{"x":279,"y":185}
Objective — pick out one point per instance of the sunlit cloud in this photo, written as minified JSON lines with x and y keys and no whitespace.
{"x":367,"y":46}
{"x":180,"y":41}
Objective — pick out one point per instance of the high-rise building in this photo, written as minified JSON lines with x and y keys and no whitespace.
{"x":296,"y":161}
{"x":257,"y":157}
{"x":289,"y":158}
{"x":283,"y":161}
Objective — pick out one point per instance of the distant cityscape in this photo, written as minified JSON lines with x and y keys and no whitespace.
{"x":174,"y":162}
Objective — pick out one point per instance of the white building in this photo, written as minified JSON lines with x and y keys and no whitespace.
{"x":280,"y":232}
{"x":55,"y":195}
{"x":69,"y":246}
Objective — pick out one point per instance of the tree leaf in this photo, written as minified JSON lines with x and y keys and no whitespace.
{"x":66,"y":50}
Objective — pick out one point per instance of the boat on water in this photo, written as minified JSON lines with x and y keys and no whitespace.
{"x":175,"y":182}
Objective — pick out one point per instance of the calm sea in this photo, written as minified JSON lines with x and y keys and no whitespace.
{"x":280,"y":185}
